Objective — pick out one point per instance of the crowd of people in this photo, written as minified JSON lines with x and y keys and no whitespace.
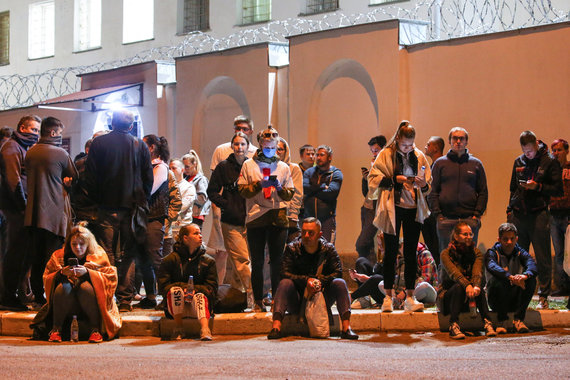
{"x":79,"y":238}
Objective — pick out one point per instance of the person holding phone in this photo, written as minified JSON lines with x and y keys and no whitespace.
{"x":79,"y":280}
{"x":400,"y":179}
{"x":265,"y":182}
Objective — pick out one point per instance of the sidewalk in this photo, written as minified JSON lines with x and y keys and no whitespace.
{"x":152,"y":323}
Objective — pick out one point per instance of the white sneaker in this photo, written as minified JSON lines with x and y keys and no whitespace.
{"x":412,"y":305}
{"x":387,"y":305}
{"x":205,"y":334}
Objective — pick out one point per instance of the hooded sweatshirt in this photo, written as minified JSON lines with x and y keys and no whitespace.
{"x":296,"y":202}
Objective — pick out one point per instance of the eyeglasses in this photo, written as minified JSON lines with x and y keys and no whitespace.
{"x":270,"y":134}
{"x":242,"y":129}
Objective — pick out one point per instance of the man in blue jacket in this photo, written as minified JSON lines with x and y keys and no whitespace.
{"x":321,"y":187}
{"x":512,"y":278}
{"x":458,"y":189}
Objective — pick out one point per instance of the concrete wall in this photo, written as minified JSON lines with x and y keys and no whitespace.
{"x":495,"y":86}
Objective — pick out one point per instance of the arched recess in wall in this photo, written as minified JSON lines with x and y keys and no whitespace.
{"x":222,"y":85}
{"x":343,"y":68}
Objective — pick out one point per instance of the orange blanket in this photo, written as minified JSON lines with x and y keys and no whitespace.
{"x":103,"y":277}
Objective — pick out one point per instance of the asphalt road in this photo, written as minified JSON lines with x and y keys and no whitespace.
{"x":540,"y":355}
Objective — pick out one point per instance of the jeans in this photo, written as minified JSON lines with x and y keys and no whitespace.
{"x":504,"y":298}
{"x":445,"y":227}
{"x":365,"y":241}
{"x":288,"y":299}
{"x":69,"y":300}
{"x":429,"y":232}
{"x":275,"y":238}
{"x":535,"y":228}
{"x":17,"y":260}
{"x":406,"y":219}
{"x":151,"y":256}
{"x":558,"y":226}
{"x":328,"y":228}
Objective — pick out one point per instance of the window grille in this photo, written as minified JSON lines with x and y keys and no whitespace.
{"x":319,"y":6}
{"x":196,"y":15}
{"x":41,"y":29}
{"x":87,"y":33}
{"x":255,"y":11}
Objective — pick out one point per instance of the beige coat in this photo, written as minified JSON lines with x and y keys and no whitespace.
{"x":383,"y":167}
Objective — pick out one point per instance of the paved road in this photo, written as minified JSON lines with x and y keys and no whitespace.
{"x":540,"y":355}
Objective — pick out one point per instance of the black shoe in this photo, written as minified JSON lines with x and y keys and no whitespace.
{"x":349,"y":334}
{"x":14,"y":304}
{"x":146,"y":303}
{"x":125,"y":307}
{"x":274,"y":334}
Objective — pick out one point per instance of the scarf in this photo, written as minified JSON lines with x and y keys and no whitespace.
{"x":25,"y":139}
{"x":259,"y":156}
{"x":51,"y":140}
{"x":463,"y":253}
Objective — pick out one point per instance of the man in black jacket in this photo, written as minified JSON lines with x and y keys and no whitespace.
{"x":185,"y":299}
{"x":536,"y":176}
{"x":118,"y":175}
{"x":301,"y":261}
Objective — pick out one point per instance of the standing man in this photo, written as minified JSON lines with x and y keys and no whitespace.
{"x":48,"y":211}
{"x":535,"y":178}
{"x":118,"y":176}
{"x":13,"y":200}
{"x":459,"y":189}
{"x":243,"y":124}
{"x":365,"y":241}
{"x":307,"y":154}
{"x":321,"y":186}
{"x":434,"y":150}
{"x":301,"y":261}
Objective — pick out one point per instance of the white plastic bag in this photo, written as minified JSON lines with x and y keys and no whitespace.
{"x":566,"y":264}
{"x":317,"y":316}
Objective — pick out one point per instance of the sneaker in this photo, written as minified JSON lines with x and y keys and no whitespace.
{"x":520,"y":327}
{"x":501,"y":329}
{"x":177,"y":333}
{"x":205,"y":334}
{"x":268,"y":300}
{"x":387,"y":305}
{"x":412,"y":305}
{"x":146,"y":303}
{"x":274,"y":334}
{"x":95,"y":337}
{"x":542,"y":304}
{"x":489,"y":330}
{"x":258,"y":307}
{"x":455,"y":331}
{"x":137,"y":297}
{"x":54,"y":336}
{"x":361,"y":303}
{"x":125,"y":307}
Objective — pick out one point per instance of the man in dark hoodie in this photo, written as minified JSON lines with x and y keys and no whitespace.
{"x":13,"y":199}
{"x":185,"y":299}
{"x":535,"y":178}
{"x":48,"y":211}
{"x":512,"y":278}
{"x":458,"y":189}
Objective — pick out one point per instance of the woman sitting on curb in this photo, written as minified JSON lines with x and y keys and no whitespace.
{"x":79,"y":280}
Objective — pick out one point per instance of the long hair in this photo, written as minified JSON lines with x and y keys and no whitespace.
{"x":192,"y":156}
{"x":405,"y":130}
{"x":82,"y":232}
{"x":161,"y":144}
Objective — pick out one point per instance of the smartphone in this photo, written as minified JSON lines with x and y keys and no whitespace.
{"x":522,"y":181}
{"x":72,"y":262}
{"x":272,"y":177}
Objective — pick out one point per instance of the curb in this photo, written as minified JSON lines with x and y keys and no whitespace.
{"x":154,"y":324}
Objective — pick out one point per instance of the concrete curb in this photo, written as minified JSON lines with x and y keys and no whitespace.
{"x":153,"y":323}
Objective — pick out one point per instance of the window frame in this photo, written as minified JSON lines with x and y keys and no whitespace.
{"x":47,"y":51}
{"x":5,"y":38}
{"x":253,"y":18}
{"x":76,"y":28}
{"x":125,"y":23}
{"x":308,"y":12}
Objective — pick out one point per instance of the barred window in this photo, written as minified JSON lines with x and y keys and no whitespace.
{"x":255,"y":11}
{"x":41,"y":29}
{"x":5,"y":38}
{"x":87,"y":25}
{"x":196,"y":15}
{"x":319,"y":6}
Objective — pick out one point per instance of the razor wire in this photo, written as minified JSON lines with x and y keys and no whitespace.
{"x":441,"y":19}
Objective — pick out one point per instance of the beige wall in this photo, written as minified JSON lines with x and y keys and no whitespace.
{"x":495,"y":86}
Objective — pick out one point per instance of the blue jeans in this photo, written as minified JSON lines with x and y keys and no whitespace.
{"x":558,"y":225}
{"x":289,"y":299}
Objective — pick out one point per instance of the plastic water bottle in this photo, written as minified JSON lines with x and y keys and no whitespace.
{"x":472,"y":308}
{"x":74,"y":334}
{"x":190,"y":284}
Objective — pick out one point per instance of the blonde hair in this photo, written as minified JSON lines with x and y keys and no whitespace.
{"x":80,"y":230}
{"x":192,"y":156}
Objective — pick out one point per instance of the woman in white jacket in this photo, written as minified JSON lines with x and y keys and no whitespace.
{"x":400,"y":179}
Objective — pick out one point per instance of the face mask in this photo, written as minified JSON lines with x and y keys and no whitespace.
{"x":269,"y":152}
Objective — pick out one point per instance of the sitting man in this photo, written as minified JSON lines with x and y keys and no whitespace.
{"x":301,"y":261}
{"x":195,"y":300}
{"x":512,"y":280}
